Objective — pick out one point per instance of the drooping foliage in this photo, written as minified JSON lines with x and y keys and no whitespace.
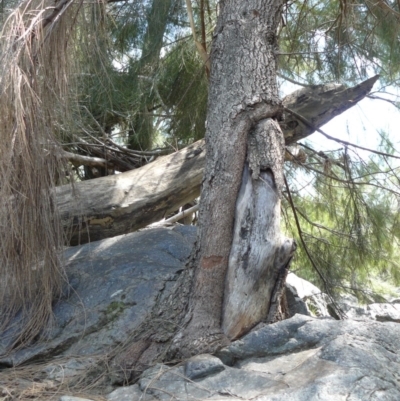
{"x":343,"y":211}
{"x":36,"y":73}
{"x":340,"y":40}
{"x":154,"y":77}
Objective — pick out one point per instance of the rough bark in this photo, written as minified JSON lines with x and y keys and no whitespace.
{"x":243,"y":102}
{"x":319,"y":104}
{"x":109,"y":206}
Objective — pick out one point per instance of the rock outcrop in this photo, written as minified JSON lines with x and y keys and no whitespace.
{"x":381,"y":312}
{"x":305,"y":298}
{"x":113,"y":286}
{"x":299,"y":359}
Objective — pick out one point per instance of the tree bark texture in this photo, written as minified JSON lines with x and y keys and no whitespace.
{"x":114,"y":205}
{"x":319,"y":104}
{"x":245,"y":154}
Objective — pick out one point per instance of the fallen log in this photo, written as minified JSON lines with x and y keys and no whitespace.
{"x":118,"y":204}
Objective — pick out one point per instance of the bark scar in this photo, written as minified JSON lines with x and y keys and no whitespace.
{"x":211,"y":261}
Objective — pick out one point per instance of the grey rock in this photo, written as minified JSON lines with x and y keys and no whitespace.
{"x":113,"y":284}
{"x":170,"y":383}
{"x":282,"y":337}
{"x":299,"y":359}
{"x":71,"y":398}
{"x":202,"y":365}
{"x":385,"y":312}
{"x":295,"y":303}
{"x":348,"y":304}
{"x":381,"y":312}
{"x":351,"y":311}
{"x":68,"y":368}
{"x":348,"y":299}
{"x":305,"y":298}
{"x":129,"y":393}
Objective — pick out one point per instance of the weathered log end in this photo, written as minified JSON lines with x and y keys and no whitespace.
{"x":119,"y":204}
{"x":319,"y":104}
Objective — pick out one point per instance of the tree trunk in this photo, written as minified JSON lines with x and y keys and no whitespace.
{"x":238,"y":267}
{"x":239,"y":250}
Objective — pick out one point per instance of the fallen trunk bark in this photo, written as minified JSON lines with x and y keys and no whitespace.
{"x":118,"y":204}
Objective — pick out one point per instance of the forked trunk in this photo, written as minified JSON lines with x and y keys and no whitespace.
{"x":240,"y":252}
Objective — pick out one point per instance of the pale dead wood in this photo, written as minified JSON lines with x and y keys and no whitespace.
{"x":180,"y":215}
{"x":79,"y":160}
{"x":259,"y":253}
{"x":122,"y":203}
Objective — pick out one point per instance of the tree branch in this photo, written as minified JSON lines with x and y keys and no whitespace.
{"x":319,"y":104}
{"x":305,"y":121}
{"x":79,"y":160}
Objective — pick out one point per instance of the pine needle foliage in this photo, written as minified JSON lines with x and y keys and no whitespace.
{"x":184,"y":89}
{"x":340,"y":41}
{"x":348,"y":221}
{"x":128,"y":99}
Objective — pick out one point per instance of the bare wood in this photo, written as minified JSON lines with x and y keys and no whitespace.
{"x":79,"y":160}
{"x":114,"y":205}
{"x":259,"y":253}
{"x":320,"y":104}
{"x":182,"y":215}
{"x":118,"y":204}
